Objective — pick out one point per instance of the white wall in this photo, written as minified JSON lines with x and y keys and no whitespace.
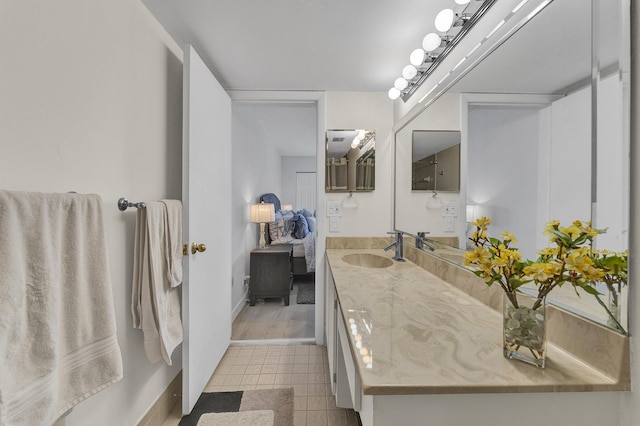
{"x":361,"y":110}
{"x":291,"y":166}
{"x":91,"y":101}
{"x":256,"y":169}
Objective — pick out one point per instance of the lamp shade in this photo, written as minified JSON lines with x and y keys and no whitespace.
{"x":262,"y":213}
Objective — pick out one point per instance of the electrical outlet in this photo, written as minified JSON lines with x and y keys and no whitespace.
{"x":334,"y":224}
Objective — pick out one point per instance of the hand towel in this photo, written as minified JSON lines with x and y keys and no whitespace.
{"x":174,"y":243}
{"x":155,"y":304}
{"x":57,"y":324}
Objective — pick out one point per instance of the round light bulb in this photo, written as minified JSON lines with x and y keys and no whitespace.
{"x":444,"y":20}
{"x":462,"y":1}
{"x":361,"y":134}
{"x":400,"y":83}
{"x":393,"y":93}
{"x":417,"y":57}
{"x":409,"y":72}
{"x":431,"y":42}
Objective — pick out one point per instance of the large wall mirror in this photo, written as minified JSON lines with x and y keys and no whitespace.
{"x":350,"y":160}
{"x":544,"y":122}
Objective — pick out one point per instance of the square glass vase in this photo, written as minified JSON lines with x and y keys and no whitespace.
{"x":524,"y":330}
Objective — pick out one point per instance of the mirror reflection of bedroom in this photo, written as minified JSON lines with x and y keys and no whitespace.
{"x":275,"y":258}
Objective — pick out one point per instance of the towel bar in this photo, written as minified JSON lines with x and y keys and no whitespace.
{"x":124,"y":204}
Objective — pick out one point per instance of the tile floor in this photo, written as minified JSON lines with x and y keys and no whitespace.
{"x":302,"y":367}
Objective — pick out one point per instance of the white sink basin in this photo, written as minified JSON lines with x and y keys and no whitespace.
{"x":367,"y":260}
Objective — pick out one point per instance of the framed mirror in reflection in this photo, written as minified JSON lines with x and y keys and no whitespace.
{"x":435,"y":160}
{"x":350,"y":160}
{"x":543,"y":138}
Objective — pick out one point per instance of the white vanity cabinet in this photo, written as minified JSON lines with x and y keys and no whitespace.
{"x":345,"y":381}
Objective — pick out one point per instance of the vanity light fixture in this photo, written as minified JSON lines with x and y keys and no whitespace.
{"x":427,"y":59}
{"x":451,"y":25}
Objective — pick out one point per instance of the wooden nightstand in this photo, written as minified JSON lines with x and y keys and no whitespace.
{"x":271,"y":273}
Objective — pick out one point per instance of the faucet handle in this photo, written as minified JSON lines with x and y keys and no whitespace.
{"x":423,"y":234}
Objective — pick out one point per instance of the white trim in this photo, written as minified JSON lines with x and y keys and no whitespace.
{"x":265,"y":342}
{"x":236,"y":309}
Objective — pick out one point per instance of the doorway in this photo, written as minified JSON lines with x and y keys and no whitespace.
{"x":274,"y":151}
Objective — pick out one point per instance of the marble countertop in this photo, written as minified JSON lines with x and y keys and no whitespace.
{"x":412,"y":333}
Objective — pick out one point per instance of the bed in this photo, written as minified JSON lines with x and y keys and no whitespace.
{"x":297,"y":228}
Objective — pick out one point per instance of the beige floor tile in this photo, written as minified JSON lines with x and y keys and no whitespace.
{"x":352,"y":417}
{"x":236,"y":369}
{"x":337,"y":418}
{"x":241,"y":360}
{"x":302,"y":350}
{"x":283,"y":379}
{"x":316,"y":368}
{"x":331,"y":402}
{"x":264,"y":387}
{"x":257,"y":360}
{"x":299,"y":418}
{"x":174,"y":419}
{"x":269,"y":369}
{"x":266,"y":379}
{"x":288,"y":350}
{"x":316,"y":403}
{"x":287,"y":359}
{"x":317,"y":389}
{"x":217,"y":379}
{"x":300,"y":368}
{"x":253,"y":369}
{"x":250,"y":379}
{"x":317,"y":378}
{"x":301,"y":359}
{"x":285,"y":368}
{"x":272,"y":359}
{"x":317,"y":418}
{"x":232,"y":380}
{"x":300,"y":378}
{"x":300,"y":389}
{"x":299,"y":403}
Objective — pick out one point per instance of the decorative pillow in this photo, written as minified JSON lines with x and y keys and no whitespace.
{"x":311,"y":221}
{"x":272,"y":199}
{"x":300,"y":227}
{"x":306,"y":213}
{"x":276,"y":229}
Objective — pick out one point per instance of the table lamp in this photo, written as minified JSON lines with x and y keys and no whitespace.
{"x":262,"y":213}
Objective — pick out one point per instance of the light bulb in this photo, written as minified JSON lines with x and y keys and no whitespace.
{"x":393,"y":93}
{"x":409,"y":72}
{"x":400,"y":83}
{"x":431,"y":42}
{"x":444,"y":20}
{"x":417,"y":57}
{"x":361,"y":134}
{"x":462,"y":1}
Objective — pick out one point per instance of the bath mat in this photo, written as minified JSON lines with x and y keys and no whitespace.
{"x":306,"y":294}
{"x":280,"y":401}
{"x":241,"y":418}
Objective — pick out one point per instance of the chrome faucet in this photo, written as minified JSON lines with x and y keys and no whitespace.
{"x":421,"y":242}
{"x":398,"y":243}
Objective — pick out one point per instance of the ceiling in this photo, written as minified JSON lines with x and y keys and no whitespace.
{"x":331,"y":45}
{"x":360,"y":45}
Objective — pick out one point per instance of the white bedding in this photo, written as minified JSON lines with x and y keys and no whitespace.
{"x":305,"y":247}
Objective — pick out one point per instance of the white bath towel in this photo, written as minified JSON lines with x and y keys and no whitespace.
{"x":155,"y":304}
{"x":174,"y":243}
{"x":57,"y":325}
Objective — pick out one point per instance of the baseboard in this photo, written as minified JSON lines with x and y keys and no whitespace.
{"x":236,"y":309}
{"x":258,"y":342}
{"x":159,"y":411}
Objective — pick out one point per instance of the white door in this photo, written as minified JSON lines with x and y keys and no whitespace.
{"x":206,"y":195}
{"x":306,"y":190}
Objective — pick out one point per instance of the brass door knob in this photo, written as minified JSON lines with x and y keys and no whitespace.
{"x":197,"y":248}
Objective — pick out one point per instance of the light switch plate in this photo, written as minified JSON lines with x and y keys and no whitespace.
{"x":334,"y":209}
{"x":450,"y":209}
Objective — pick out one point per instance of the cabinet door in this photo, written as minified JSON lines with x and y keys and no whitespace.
{"x":330,"y":306}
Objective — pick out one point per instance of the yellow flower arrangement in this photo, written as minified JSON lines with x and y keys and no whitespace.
{"x":572,"y":260}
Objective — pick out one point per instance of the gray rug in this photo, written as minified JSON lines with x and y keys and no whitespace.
{"x":252,"y":407}
{"x":306,"y":294}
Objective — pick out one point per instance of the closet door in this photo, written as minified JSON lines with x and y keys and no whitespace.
{"x":305,"y":190}
{"x":206,"y":195}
